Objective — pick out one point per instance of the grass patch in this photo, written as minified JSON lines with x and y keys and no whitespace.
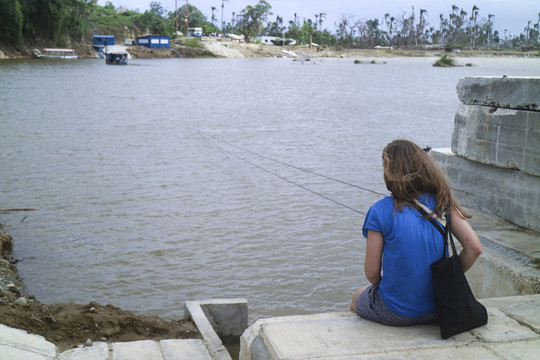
{"x":445,"y":60}
{"x":192,"y":43}
{"x":209,"y":54}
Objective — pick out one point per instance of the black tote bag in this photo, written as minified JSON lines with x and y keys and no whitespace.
{"x":458,"y":310}
{"x":457,"y":307}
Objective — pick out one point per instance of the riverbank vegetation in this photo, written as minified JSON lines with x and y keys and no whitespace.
{"x":70,"y":22}
{"x":445,"y":61}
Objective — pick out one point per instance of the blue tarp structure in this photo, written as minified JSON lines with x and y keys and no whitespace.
{"x":154,"y":42}
{"x":103,"y":40}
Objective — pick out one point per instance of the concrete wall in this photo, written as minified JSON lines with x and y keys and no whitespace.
{"x":504,"y":138}
{"x":497,"y":142}
{"x":510,"y":194}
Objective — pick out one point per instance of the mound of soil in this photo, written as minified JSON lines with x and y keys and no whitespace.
{"x":67,"y":324}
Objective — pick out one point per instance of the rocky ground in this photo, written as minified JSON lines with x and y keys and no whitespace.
{"x":67,"y":324}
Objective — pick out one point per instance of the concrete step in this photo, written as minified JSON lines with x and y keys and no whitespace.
{"x":17,"y":344}
{"x":190,"y":349}
{"x":511,"y":333}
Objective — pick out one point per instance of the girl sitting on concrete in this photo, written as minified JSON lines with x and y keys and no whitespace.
{"x":402,"y":244}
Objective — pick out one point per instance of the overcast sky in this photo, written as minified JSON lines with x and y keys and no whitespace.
{"x":511,"y":15}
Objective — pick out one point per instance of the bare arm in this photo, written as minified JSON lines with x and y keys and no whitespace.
{"x":372,"y":264}
{"x":464,"y":233}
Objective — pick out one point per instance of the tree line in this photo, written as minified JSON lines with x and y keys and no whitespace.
{"x":71,"y":21}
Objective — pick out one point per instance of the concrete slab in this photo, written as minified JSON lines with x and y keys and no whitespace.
{"x":502,"y":92}
{"x":448,"y":353}
{"x":349,"y":336}
{"x":30,"y":343}
{"x":510,"y":194}
{"x":529,"y":350}
{"x":194,"y":311}
{"x":190,"y":349}
{"x":501,"y":137}
{"x":526,"y":242}
{"x":137,"y":350}
{"x":502,"y":328}
{"x":344,"y":336}
{"x":98,"y":351}
{"x":12,"y":353}
{"x":527,"y":313}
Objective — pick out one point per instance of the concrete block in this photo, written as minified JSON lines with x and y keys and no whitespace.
{"x":98,"y":351}
{"x":189,"y":349}
{"x":518,"y":351}
{"x":500,"y":137}
{"x":510,"y":194}
{"x":30,"y":343}
{"x":194,"y":311}
{"x":229,"y":318}
{"x":345,"y":337}
{"x":503,"y":92}
{"x":502,"y":328}
{"x":494,"y":275}
{"x":137,"y":350}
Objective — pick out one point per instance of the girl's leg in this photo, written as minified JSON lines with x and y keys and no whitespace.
{"x":355,"y":298}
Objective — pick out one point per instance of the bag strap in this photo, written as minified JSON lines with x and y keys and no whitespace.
{"x":438,"y":222}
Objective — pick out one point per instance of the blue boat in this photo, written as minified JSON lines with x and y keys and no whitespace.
{"x":116,"y":58}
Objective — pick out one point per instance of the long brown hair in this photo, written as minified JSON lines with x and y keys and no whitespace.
{"x":410,"y":172}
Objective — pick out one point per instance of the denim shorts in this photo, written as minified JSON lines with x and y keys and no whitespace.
{"x":370,"y":306}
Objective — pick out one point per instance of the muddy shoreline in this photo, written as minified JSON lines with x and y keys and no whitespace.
{"x":69,"y":325}
{"x":225,"y":48}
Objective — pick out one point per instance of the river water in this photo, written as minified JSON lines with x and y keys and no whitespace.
{"x":188,"y":179}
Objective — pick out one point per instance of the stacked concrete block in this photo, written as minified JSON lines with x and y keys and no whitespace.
{"x":497,"y":142}
{"x":505,"y":138}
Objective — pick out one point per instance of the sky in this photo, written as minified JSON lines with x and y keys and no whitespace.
{"x":511,"y":15}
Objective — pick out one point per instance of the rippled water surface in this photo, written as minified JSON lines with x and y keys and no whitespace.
{"x":171,"y":180}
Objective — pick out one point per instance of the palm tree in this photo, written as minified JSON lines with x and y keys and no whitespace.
{"x":453,"y":16}
{"x":222,"y":8}
{"x":213,"y":15}
{"x":390,"y":28}
{"x":321,"y":17}
{"x":412,"y":26}
{"x":474,"y":16}
{"x":422,"y":24}
{"x":489,"y":27}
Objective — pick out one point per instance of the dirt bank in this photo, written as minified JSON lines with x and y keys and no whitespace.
{"x":233,"y":49}
{"x":67,"y":324}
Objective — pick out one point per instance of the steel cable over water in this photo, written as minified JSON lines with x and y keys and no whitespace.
{"x":292,"y":166}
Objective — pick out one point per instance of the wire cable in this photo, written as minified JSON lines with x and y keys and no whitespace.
{"x":293,"y":166}
{"x":291,"y":182}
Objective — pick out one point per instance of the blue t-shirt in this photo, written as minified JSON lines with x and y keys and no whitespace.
{"x":411,"y":244}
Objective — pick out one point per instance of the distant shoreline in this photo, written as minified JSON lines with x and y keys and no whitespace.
{"x":224,"y":48}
